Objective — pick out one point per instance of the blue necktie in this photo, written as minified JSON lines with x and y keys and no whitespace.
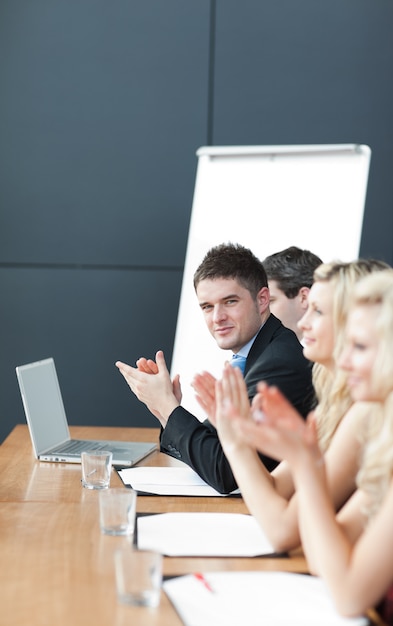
{"x":239,"y":361}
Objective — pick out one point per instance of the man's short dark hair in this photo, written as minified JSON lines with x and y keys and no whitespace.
{"x":292,"y":269}
{"x":230,"y":260}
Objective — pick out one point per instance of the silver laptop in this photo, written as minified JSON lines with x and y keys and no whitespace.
{"x":48,"y":426}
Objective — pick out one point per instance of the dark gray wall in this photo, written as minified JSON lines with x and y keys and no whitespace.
{"x":311,"y":72}
{"x":102,"y":107}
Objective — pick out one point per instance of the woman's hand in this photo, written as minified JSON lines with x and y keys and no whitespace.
{"x":277,"y":429}
{"x":204,"y":385}
{"x":232,"y":406}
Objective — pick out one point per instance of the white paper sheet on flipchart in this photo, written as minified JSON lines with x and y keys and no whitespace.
{"x":203,"y":534}
{"x":255,"y":598}
{"x":167,"y":481}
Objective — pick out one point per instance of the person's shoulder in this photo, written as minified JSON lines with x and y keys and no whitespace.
{"x":280,"y":349}
{"x":361,"y":409}
{"x":274,"y":334}
{"x":285,"y":347}
{"x":281,"y":332}
{"x":355,"y":425}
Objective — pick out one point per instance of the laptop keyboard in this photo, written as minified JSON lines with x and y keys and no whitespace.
{"x":76,"y":446}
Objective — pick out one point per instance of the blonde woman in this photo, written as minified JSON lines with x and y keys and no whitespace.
{"x":352,"y":551}
{"x":271,"y":497}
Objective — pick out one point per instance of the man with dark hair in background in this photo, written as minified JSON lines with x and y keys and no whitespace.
{"x":290,"y":276}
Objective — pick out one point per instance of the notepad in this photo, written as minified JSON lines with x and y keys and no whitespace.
{"x":203,"y":534}
{"x":168,"y":481}
{"x":255,"y":599}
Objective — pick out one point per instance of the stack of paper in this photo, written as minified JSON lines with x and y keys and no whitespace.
{"x":167,"y":481}
{"x":203,"y":534}
{"x":255,"y":599}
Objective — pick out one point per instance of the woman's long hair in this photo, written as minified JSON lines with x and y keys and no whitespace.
{"x":375,"y":474}
{"x":330,"y":387}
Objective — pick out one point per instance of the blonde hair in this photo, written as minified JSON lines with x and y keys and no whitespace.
{"x":330,"y":387}
{"x":376,"y":469}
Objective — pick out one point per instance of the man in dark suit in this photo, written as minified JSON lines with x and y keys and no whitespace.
{"x":231,"y":287}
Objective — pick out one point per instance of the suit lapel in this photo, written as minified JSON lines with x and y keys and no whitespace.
{"x":262,"y":340}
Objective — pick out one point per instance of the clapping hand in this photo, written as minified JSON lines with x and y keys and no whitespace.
{"x":277,"y":429}
{"x":152,"y":385}
{"x":204,"y":385}
{"x":233,"y":406}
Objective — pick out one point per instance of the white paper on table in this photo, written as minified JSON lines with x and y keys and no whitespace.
{"x":167,"y":481}
{"x":255,"y":598}
{"x":203,"y":534}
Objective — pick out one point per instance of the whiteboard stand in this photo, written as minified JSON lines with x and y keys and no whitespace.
{"x":266,"y":198}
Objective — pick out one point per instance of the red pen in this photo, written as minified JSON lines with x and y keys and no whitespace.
{"x":204,"y":582}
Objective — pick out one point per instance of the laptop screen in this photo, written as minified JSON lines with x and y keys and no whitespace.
{"x":43,"y":404}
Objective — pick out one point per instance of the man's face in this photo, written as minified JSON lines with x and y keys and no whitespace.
{"x":232,"y":315}
{"x":288,"y":310}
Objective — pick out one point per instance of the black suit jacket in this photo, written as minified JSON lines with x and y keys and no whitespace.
{"x":276,"y":357}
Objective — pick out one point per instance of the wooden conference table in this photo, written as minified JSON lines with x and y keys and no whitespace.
{"x":56,"y":566}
